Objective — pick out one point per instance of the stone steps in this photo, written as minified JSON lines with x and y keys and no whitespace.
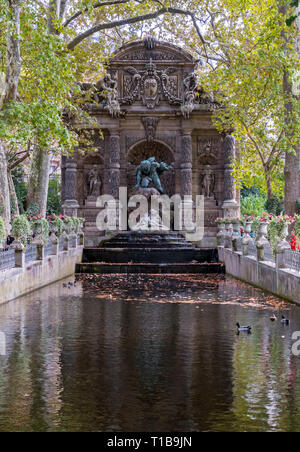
{"x":144,"y":268}
{"x":149,"y":253}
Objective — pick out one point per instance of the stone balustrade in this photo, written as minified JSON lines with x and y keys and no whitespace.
{"x":18,"y":256}
{"x":255,"y":262}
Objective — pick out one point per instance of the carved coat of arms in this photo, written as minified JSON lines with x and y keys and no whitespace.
{"x":150,"y":85}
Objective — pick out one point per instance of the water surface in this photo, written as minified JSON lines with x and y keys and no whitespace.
{"x":148,"y":353}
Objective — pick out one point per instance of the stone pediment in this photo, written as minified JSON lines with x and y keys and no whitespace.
{"x":150,"y":49}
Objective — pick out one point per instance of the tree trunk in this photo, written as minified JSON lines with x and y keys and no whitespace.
{"x":40,"y":167}
{"x":13,"y":54}
{"x":10,"y":94}
{"x":292,"y":160}
{"x":4,"y":188}
{"x":13,"y":195}
{"x":269,"y":185}
{"x":39,"y":180}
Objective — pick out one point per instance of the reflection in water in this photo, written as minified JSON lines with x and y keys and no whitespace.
{"x":148,"y":354}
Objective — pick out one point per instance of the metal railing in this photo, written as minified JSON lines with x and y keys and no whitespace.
{"x":48,"y":250}
{"x":62,"y":242}
{"x":31,"y":253}
{"x":292,"y":260}
{"x":269,"y":255}
{"x":252,"y":250}
{"x":7,"y":259}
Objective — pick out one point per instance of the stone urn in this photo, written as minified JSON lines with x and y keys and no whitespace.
{"x":263,"y":231}
{"x":247,"y":238}
{"x":228,"y":234}
{"x":283,"y":244}
{"x":236,"y":228}
{"x":221,"y":234}
{"x":248,"y":228}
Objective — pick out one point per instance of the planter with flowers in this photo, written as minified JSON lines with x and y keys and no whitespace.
{"x":56,"y":225}
{"x":78,"y":224}
{"x":278,"y":232}
{"x":228,"y":232}
{"x":40,"y":228}
{"x":69,"y":226}
{"x":264,"y":222}
{"x":21,"y":231}
{"x":236,"y":224}
{"x":2,"y":231}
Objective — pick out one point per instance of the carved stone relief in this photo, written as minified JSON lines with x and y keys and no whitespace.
{"x":150,"y":125}
{"x":150,"y":85}
{"x":208,"y":150}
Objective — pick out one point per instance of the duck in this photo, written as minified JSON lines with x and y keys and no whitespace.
{"x":285,"y":321}
{"x":273,"y":318}
{"x":244,"y":329}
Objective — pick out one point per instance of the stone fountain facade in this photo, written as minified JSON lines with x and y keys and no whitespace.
{"x":149,"y":105}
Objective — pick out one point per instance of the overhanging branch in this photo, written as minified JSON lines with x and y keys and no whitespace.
{"x":134,"y":20}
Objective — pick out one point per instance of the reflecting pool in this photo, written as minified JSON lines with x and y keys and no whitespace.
{"x":149,"y":353}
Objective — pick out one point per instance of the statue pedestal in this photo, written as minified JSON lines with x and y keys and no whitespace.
{"x":210,"y":203}
{"x":151,"y":217}
{"x":91,"y":201}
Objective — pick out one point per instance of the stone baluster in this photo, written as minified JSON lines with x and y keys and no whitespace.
{"x":55,"y":244}
{"x":40,"y":251}
{"x":114,"y":164}
{"x":187,"y":165}
{"x":230,"y":205}
{"x":19,"y":255}
{"x":260,"y":245}
{"x":70,"y":206}
{"x":282,"y":247}
{"x":246,"y":239}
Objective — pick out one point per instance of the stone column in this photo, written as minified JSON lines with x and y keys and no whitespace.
{"x":186,"y":172}
{"x":114,"y":164}
{"x":71,"y":206}
{"x":230,"y":205}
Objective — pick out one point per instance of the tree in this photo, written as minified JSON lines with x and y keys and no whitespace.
{"x":292,"y":160}
{"x":10,"y":13}
{"x":245,"y":62}
{"x":66,"y":41}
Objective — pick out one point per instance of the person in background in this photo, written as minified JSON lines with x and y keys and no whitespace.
{"x":10,"y":239}
{"x":295,"y":242}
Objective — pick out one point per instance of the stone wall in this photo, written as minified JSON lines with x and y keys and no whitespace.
{"x":282,"y":282}
{"x":16,"y":282}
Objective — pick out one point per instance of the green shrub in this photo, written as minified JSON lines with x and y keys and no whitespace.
{"x":33,"y":209}
{"x":297,"y":225}
{"x":298,"y":206}
{"x":56,"y":224}
{"x":21,"y":188}
{"x":40,"y":226}
{"x":2,"y":230}
{"x":78,"y":223}
{"x":253,"y":205}
{"x":275,"y":206}
{"x":54,"y":197}
{"x":21,"y":229}
{"x":69,"y":224}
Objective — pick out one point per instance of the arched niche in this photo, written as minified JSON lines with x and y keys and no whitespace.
{"x":143,"y":151}
{"x":86,"y":164}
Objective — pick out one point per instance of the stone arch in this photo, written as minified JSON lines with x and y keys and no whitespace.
{"x":143,"y":150}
